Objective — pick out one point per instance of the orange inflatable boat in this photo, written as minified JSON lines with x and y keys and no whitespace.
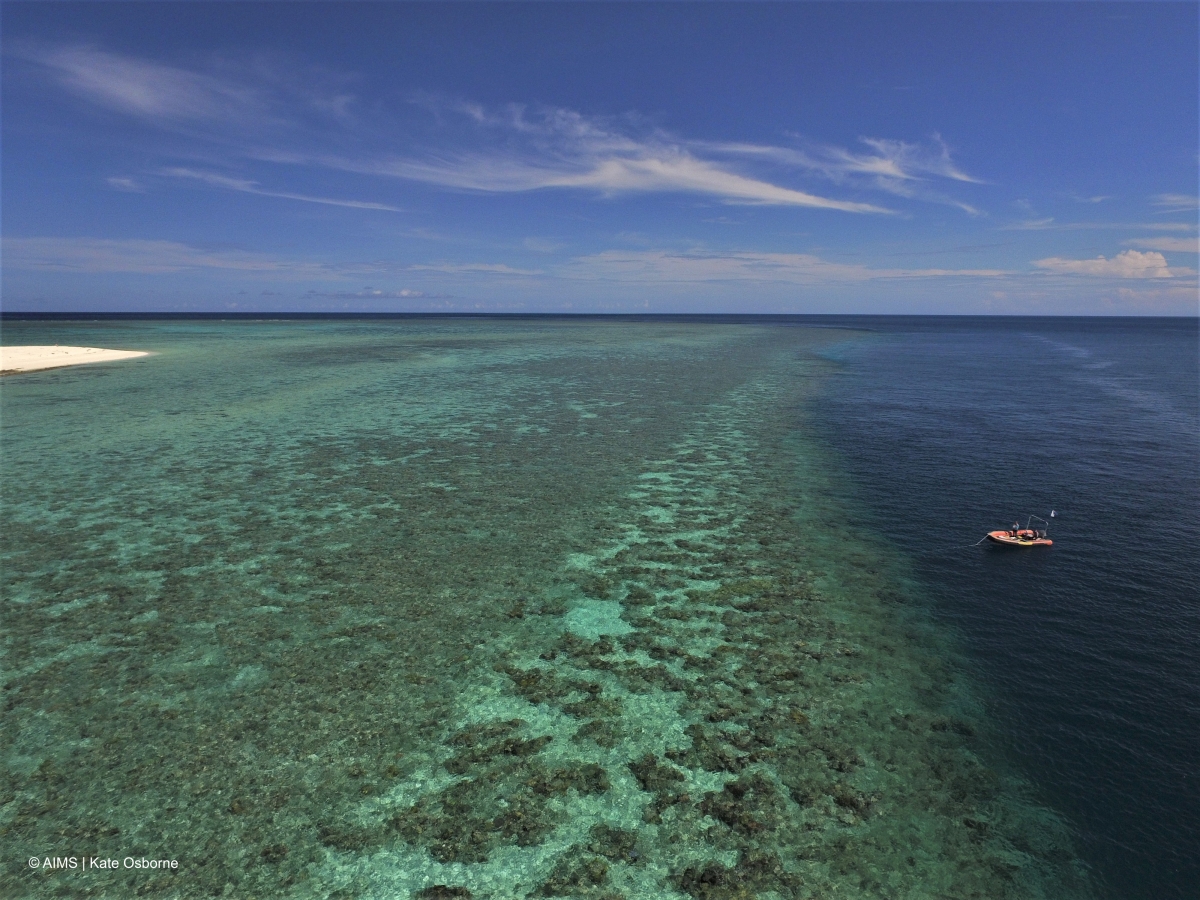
{"x":1023,"y":537}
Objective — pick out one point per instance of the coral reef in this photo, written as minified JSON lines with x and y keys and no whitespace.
{"x":451,"y":609}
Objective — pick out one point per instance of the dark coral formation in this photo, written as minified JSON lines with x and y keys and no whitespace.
{"x":753,"y":873}
{"x":506,"y":801}
{"x":443,"y":892}
{"x":575,"y":876}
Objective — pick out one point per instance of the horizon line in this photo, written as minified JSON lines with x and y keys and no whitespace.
{"x":64,"y":315}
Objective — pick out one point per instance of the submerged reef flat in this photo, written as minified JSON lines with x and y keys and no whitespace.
{"x":481,"y":609}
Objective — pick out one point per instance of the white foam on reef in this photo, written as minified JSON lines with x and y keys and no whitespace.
{"x":14,"y":360}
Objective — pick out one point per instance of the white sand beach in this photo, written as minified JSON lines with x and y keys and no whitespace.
{"x":14,"y":360}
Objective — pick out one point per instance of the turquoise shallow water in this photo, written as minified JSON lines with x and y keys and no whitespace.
{"x":475,"y":608}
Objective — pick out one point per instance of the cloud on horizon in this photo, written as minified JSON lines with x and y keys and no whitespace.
{"x":449,"y":268}
{"x":153,"y":257}
{"x":96,"y":256}
{"x":696,"y":266}
{"x":1126,"y":264}
{"x":1050,"y":224}
{"x":135,"y":256}
{"x":374,"y":294}
{"x":727,"y":275}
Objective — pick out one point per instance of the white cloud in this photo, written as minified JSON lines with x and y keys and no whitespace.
{"x":96,"y":256}
{"x":128,"y":185}
{"x":559,"y":148}
{"x":377,"y":294}
{"x":965,"y":207}
{"x":145,"y":89}
{"x":148,"y":257}
{"x":1049,"y":224}
{"x":1172,"y":299}
{"x":472,"y":269}
{"x":252,"y":187}
{"x":502,"y":150}
{"x":898,"y":167}
{"x":647,"y":168}
{"x":541,"y":245}
{"x":1126,"y":264}
{"x":694,"y":266}
{"x":1032,"y":225}
{"x":677,"y":170}
{"x":1167,"y":244}
{"x":892,"y":159}
{"x":1176,"y":202}
{"x":220,"y":99}
{"x":915,"y":158}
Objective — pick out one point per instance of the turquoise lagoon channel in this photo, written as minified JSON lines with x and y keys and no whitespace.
{"x":491,"y":608}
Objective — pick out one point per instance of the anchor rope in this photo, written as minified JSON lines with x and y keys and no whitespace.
{"x":957,"y":547}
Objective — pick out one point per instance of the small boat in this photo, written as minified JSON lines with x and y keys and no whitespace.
{"x":1029,"y":536}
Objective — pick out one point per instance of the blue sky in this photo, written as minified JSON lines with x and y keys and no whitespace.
{"x":965,"y":158}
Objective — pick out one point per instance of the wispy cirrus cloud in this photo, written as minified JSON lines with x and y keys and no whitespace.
{"x":135,"y":256}
{"x":891,"y":161}
{"x":125,"y":184}
{"x":155,"y":257}
{"x":1167,"y":244}
{"x":564,"y":148}
{"x":1080,"y":198}
{"x":450,"y":268}
{"x":222,"y":98}
{"x":902,"y":168}
{"x":698,"y":266}
{"x":253,"y":187}
{"x":1126,"y":264}
{"x":1176,"y":202}
{"x":557,"y":148}
{"x":1032,"y":225}
{"x":542,"y":245}
{"x":145,"y":257}
{"x":1051,"y":224}
{"x":369,"y":293}
{"x":1167,"y":299}
{"x":146,"y":89}
{"x":257,"y":113}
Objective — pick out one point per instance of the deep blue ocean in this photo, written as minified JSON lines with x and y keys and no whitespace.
{"x":1086,"y":651}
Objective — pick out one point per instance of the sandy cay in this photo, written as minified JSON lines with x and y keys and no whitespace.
{"x":30,"y":359}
